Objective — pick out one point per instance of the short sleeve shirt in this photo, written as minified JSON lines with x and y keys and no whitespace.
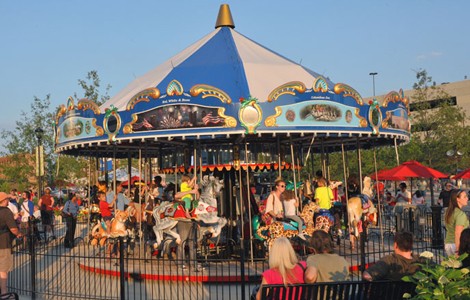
{"x":458,"y":218}
{"x":324,"y":196}
{"x":331,"y":267}
{"x":6,"y":222}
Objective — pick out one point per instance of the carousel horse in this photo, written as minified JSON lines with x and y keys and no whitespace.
{"x":358,"y":213}
{"x":203,"y":212}
{"x":117,"y":228}
{"x":289,"y":229}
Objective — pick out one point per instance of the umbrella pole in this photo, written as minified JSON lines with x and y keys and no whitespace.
{"x":279,"y":156}
{"x":293,"y":170}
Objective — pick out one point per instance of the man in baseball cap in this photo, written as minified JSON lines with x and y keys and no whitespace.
{"x":7,"y":227}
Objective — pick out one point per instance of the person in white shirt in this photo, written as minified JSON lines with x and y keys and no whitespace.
{"x":403,"y":195}
{"x":418,"y":198}
{"x":290,"y":203}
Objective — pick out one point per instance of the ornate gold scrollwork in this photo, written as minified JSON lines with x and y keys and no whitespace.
{"x":99,"y":129}
{"x":348,"y":92}
{"x":60,"y":112}
{"x":143,"y":96}
{"x":271,"y":120}
{"x":128,"y":127}
{"x":250,"y":114}
{"x":320,"y":85}
{"x":289,"y":88}
{"x":85,"y":104}
{"x":210,"y":91}
{"x":362,"y":120}
{"x":229,"y":121}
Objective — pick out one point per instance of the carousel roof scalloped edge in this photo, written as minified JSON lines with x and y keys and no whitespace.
{"x":208,"y":112}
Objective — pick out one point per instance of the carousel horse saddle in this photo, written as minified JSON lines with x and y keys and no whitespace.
{"x":325,"y":213}
{"x":290,"y":224}
{"x":365,"y":201}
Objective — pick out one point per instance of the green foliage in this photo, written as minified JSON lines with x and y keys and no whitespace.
{"x":441,"y":281}
{"x":91,"y":88}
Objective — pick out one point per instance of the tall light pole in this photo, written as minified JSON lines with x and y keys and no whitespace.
{"x":39,"y":159}
{"x":373,"y":81}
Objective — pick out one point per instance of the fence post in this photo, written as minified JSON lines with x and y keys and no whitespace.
{"x":32,"y":252}
{"x":122,"y":275}
{"x":362,"y":245}
{"x":437,"y":241}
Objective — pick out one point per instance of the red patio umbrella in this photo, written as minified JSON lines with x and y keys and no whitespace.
{"x":465,"y":174}
{"x":413,"y":169}
{"x":133,"y":180}
{"x":385,"y":175}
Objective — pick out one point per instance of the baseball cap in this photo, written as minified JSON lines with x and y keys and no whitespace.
{"x":4,"y":196}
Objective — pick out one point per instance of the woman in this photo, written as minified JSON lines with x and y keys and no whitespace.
{"x":455,"y":220}
{"x":418,"y":198}
{"x":273,"y":203}
{"x":284,"y":266}
{"x":464,"y":247}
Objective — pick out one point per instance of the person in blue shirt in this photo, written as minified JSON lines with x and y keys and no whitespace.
{"x":70,"y":213}
{"x":118,"y":198}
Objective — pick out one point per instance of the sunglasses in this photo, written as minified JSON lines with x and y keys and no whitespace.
{"x":283,"y":186}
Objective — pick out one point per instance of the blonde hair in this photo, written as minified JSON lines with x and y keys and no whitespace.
{"x":287,"y":195}
{"x":282,"y":257}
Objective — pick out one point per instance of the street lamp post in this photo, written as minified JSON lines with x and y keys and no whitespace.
{"x":373,"y":81}
{"x":39,"y":132}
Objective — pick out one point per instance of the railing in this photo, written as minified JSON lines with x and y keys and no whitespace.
{"x":126,"y":269}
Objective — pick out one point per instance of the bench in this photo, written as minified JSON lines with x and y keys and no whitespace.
{"x":9,"y":296}
{"x":347,"y":290}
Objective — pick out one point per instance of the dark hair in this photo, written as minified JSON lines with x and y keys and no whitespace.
{"x":28,"y":195}
{"x":158,"y":179}
{"x":454,"y":194}
{"x":402,"y":185}
{"x":100,"y":193}
{"x":418,"y":193}
{"x":464,"y":242}
{"x":321,"y":242}
{"x":319,"y":173}
{"x":404,"y":240}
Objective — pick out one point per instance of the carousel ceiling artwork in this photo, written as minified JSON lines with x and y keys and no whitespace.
{"x":228,"y":89}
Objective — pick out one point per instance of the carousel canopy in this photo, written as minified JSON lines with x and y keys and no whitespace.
{"x":223,"y":91}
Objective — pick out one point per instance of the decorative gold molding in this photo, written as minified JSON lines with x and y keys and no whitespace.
{"x":174,"y":88}
{"x":128,"y":127}
{"x":112,"y":134}
{"x":289,"y":88}
{"x":143,"y":96}
{"x":229,"y":121}
{"x":320,"y":85}
{"x":60,"y":112}
{"x":391,"y":97}
{"x":85,"y":104}
{"x":362,"y":120}
{"x":388,"y":115}
{"x":348,"y":92}
{"x":99,"y":129}
{"x":210,"y":91}
{"x":250,"y":114}
{"x":70,"y":104}
{"x":374,"y":107}
{"x":271,"y":120}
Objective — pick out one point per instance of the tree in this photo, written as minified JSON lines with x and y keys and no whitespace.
{"x":20,"y":143}
{"x":91,"y":88}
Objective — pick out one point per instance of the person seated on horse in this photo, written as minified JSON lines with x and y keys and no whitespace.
{"x":323,"y":194}
{"x":290,"y":203}
{"x":273,"y":203}
{"x":187,"y":185}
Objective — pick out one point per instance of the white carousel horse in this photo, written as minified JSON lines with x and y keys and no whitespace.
{"x":207,"y":207}
{"x":356,"y":212}
{"x":204,"y":213}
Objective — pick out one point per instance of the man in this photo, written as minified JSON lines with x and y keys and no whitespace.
{"x":403,"y":195}
{"x":8,"y":228}
{"x":394,"y":266}
{"x":14,"y":198}
{"x":422,"y":185}
{"x":70,"y":212}
{"x":46,"y":204}
{"x":325,"y":265}
{"x":444,"y":196}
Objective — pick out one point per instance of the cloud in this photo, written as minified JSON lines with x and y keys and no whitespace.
{"x":430,"y":55}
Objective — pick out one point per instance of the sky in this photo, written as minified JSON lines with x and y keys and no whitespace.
{"x":47,"y":46}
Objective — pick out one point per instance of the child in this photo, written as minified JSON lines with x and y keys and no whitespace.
{"x":323,"y":194}
{"x":290,"y":203}
{"x":187,"y":185}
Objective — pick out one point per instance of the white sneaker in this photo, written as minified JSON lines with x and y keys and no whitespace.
{"x":301,"y":235}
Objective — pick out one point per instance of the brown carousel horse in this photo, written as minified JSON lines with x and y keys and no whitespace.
{"x":117,"y":228}
{"x":357,"y":214}
{"x":282,"y":229}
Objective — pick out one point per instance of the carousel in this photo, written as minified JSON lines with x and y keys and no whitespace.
{"x":227,"y":107}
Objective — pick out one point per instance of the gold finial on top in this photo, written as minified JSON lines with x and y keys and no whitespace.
{"x":225,"y":17}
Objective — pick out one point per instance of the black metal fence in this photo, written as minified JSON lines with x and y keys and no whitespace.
{"x":224,"y":269}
